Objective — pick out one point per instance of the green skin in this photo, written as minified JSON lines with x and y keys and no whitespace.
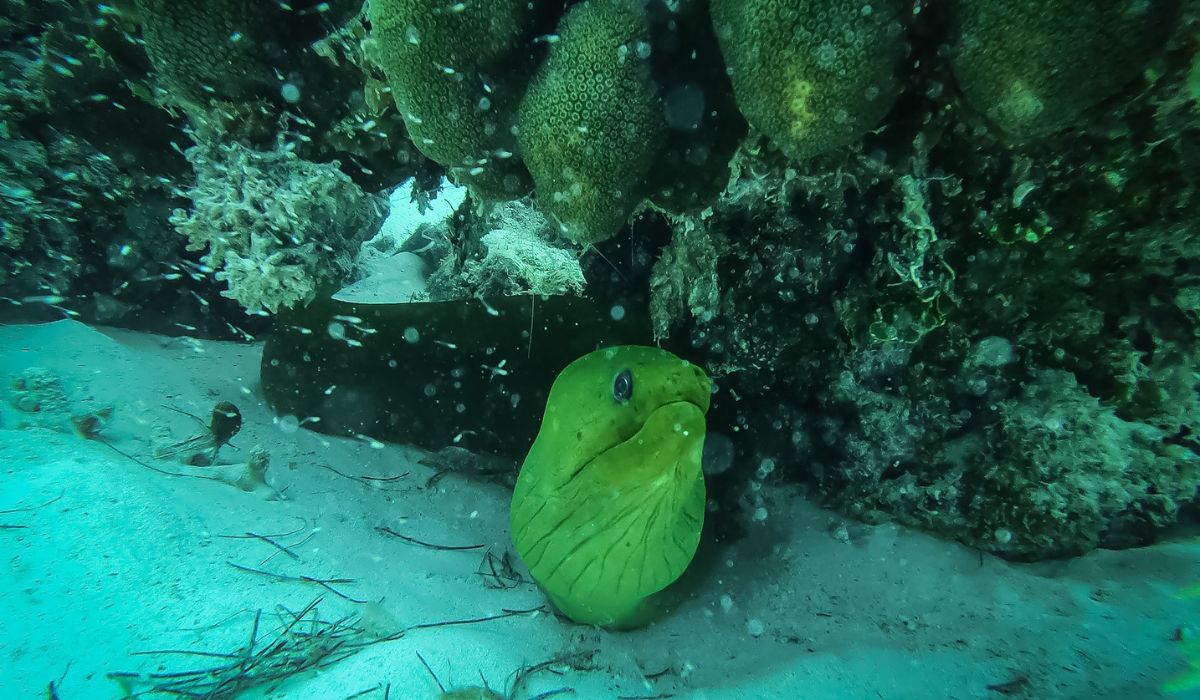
{"x":609,"y":504}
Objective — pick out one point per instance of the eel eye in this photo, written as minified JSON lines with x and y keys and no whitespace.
{"x":623,"y":386}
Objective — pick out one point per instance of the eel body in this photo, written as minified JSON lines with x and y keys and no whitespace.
{"x":609,"y":504}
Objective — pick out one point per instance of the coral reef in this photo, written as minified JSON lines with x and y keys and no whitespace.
{"x":957,"y":241}
{"x":590,"y":126}
{"x":1106,"y":478}
{"x":76,"y":174}
{"x":630,"y":101}
{"x":275,"y":227}
{"x":39,"y":392}
{"x":519,"y":263}
{"x":208,"y":50}
{"x":510,"y":249}
{"x":817,"y":73}
{"x":685,"y":280}
{"x":227,"y":54}
{"x":450,"y":72}
{"x":995,"y":344}
{"x":33,"y":217}
{"x":1032,"y":66}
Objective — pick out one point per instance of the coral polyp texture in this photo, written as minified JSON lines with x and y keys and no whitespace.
{"x":450,"y":68}
{"x":590,"y":125}
{"x":230,"y":51}
{"x":812,"y":75}
{"x":202,"y":50}
{"x":1032,"y":66}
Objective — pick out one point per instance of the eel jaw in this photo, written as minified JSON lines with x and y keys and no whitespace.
{"x":681,"y":404}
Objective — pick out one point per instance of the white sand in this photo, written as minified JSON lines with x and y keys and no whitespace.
{"x":127,"y":560}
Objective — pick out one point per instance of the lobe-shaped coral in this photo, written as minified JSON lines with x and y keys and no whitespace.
{"x":1032,"y":66}
{"x":590,"y":126}
{"x":449,"y":67}
{"x":811,"y":75}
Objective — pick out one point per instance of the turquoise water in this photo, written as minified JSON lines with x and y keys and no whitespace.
{"x":614,"y":348}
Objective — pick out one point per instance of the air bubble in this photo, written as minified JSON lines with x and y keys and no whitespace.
{"x":290,"y":93}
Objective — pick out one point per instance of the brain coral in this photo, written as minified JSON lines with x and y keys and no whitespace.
{"x":449,"y":77}
{"x":590,"y":126}
{"x":1032,"y":66}
{"x":811,"y":75}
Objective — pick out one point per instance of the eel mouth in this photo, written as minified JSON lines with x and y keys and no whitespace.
{"x":681,"y":402}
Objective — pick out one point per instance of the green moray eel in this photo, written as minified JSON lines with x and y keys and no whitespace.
{"x":609,"y":503}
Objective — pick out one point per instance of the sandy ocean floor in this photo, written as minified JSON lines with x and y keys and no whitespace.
{"x":105,"y":558}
